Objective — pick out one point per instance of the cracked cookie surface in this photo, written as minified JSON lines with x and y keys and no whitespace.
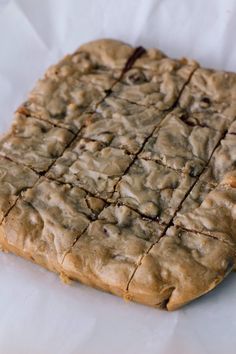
{"x":180,"y":145}
{"x":92,"y":166}
{"x":34,"y":143}
{"x":47,"y":219}
{"x":119,"y":172}
{"x":121,"y":124}
{"x":107,"y":253}
{"x":180,"y":267}
{"x":78,"y":83}
{"x":152,"y":189}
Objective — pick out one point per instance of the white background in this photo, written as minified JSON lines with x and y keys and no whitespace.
{"x":38,"y":314}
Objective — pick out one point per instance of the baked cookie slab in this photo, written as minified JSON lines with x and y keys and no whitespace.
{"x":119,"y":172}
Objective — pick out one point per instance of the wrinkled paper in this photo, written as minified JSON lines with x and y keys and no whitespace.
{"x":38,"y":313}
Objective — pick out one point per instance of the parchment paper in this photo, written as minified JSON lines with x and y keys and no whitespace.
{"x":38,"y":314}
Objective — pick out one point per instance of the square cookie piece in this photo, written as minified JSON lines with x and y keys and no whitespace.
{"x":14,"y":179}
{"x":91,"y":165}
{"x":121,"y":124}
{"x":106,"y":255}
{"x":46,"y":221}
{"x":47,"y":105}
{"x":158,"y":84}
{"x":77,"y":83}
{"x":211,"y":92}
{"x":34,"y":143}
{"x":154,"y":190}
{"x":216,"y":214}
{"x":179,"y":268}
{"x":180,"y":145}
{"x":222,"y":161}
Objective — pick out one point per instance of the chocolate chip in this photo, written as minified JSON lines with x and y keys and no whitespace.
{"x":24,"y":189}
{"x":44,"y":130}
{"x":59,"y":116}
{"x":184,"y":116}
{"x":186,"y":119}
{"x":193,"y":171}
{"x":138,"y":52}
{"x":105,"y":232}
{"x":136,"y":77}
{"x":205,"y":102}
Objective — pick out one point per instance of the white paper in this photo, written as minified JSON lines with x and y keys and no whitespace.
{"x":38,"y":314}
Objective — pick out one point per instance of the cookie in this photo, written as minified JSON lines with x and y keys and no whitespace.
{"x":119,"y":172}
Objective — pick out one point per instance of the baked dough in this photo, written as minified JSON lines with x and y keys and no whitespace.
{"x":153,"y":189}
{"x":182,"y":266}
{"x":122,"y":124}
{"x":77,"y":83}
{"x":14,"y":179}
{"x":34,"y":143}
{"x":182,"y":145}
{"x":119,"y":171}
{"x":91,"y":165}
{"x":105,"y":256}
{"x":216,"y":214}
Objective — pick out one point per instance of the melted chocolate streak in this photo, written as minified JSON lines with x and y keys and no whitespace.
{"x":138,"y":52}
